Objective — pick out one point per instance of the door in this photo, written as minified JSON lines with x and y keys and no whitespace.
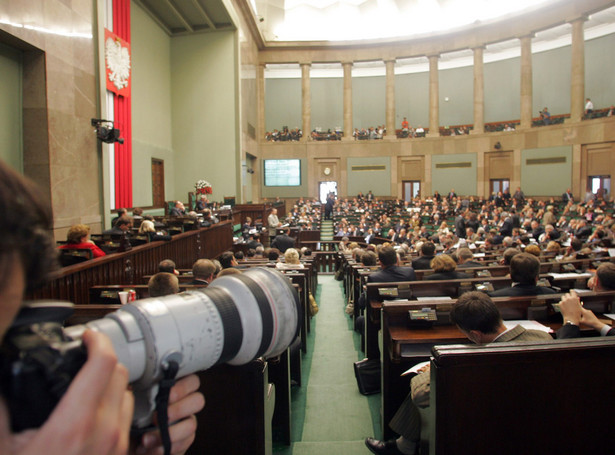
{"x":600,"y":185}
{"x":324,"y":188}
{"x":158,"y":182}
{"x":497,"y":185}
{"x":412,"y":189}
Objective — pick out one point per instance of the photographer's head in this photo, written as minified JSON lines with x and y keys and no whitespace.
{"x":27,"y":251}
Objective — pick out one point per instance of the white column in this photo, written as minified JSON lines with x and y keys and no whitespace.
{"x":348,"y":128}
{"x":479,"y":92}
{"x":577,"y":76}
{"x":390,"y":99}
{"x":434,"y":106}
{"x":526,"y":81}
{"x":306,"y":98}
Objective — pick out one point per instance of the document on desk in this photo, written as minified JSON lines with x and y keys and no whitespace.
{"x":439,"y":298}
{"x":415,"y":369}
{"x":563,"y":276}
{"x":526,"y":324}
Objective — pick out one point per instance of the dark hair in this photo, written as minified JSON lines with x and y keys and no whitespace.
{"x":428,"y":249}
{"x":25,"y":227}
{"x":166,"y":265}
{"x":239,"y":255}
{"x":273,"y":254}
{"x":226,"y":259}
{"x":162,"y":284}
{"x":203,"y":268}
{"x":524,"y":268}
{"x":476,"y":311}
{"x":123,"y":220}
{"x":369,"y":258}
{"x":606,"y":275}
{"x":508,"y":254}
{"x":387,"y":256}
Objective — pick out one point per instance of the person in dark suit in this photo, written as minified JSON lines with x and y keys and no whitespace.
{"x":583,"y":230}
{"x":283,"y":241}
{"x":444,"y":269}
{"x":479,"y":319}
{"x":390,"y":272}
{"x":202,"y":203}
{"x":460,"y":226}
{"x":537,"y":229}
{"x":567,"y":196}
{"x":178,"y":210}
{"x":507,"y":227}
{"x":122,"y":227}
{"x":573,"y":313}
{"x":451,"y":195}
{"x":524,"y":271}
{"x":329,"y":206}
{"x":203,"y":271}
{"x":465,"y":259}
{"x":427,"y":253}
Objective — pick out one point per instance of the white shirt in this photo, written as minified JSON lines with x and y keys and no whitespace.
{"x":589,"y":105}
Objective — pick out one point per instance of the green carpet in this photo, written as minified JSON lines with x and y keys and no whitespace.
{"x":330,"y":416}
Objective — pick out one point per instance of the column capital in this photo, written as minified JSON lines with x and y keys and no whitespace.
{"x":389,"y":60}
{"x":305,"y":64}
{"x":479,"y":47}
{"x":433,"y":56}
{"x":348,"y":63}
{"x":582,"y":18}
{"x":526,"y":36}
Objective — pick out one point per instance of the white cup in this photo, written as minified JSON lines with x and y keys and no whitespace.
{"x":123,"y":297}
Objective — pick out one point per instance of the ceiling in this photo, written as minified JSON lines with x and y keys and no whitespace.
{"x":182,"y":17}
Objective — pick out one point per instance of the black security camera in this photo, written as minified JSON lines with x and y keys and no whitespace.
{"x":106,"y":132}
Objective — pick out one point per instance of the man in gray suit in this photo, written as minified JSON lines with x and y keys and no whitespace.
{"x":480,"y":320}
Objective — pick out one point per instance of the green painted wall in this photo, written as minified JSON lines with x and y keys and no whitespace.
{"x":551,"y":81}
{"x":11,"y":125}
{"x":412,"y":99}
{"x":203,"y":107}
{"x":327,"y":103}
{"x":379,"y":182}
{"x":458,"y":86}
{"x":462,"y":179}
{"x":368,"y":101}
{"x":151,"y":107}
{"x":502,"y":90}
{"x":549,"y":179}
{"x":271,"y":192}
{"x":282,"y":104}
{"x":600,"y":66}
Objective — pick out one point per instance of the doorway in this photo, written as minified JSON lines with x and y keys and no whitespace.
{"x":412,"y":189}
{"x":157,"y":182}
{"x":497,"y":185}
{"x":324,"y":188}
{"x":600,"y":185}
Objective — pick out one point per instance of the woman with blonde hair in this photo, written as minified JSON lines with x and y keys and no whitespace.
{"x":444,"y":267}
{"x":291,"y":256}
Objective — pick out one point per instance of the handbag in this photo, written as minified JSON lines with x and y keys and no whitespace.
{"x":367,"y":372}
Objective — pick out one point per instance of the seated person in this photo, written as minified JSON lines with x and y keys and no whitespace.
{"x":572,"y":309}
{"x":121,"y":227}
{"x":283,"y":241}
{"x":208,"y":218}
{"x":167,"y":265}
{"x":228,"y":260}
{"x":479,"y":319}
{"x":391,"y":271}
{"x":291,"y":258}
{"x":147,"y":228}
{"x":465,"y":258}
{"x":202,"y":203}
{"x":524,"y":271}
{"x":203,"y":272}
{"x":426,"y":254}
{"x":178,"y":209}
{"x":229,"y":271}
{"x":79,"y":237}
{"x":162,"y":284}
{"x":444,"y":267}
{"x":95,"y":413}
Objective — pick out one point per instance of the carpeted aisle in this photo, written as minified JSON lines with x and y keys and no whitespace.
{"x":336,"y":418}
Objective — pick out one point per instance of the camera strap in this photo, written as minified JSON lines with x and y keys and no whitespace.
{"x":162,"y":403}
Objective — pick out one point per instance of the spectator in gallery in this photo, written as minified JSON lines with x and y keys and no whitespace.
{"x":405,"y":125}
{"x":589,"y":107}
{"x":545,"y":116}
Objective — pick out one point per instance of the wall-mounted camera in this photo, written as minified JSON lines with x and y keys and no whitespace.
{"x":250,"y":170}
{"x":106,"y":132}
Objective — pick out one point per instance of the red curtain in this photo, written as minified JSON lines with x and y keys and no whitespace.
{"x":122,"y":111}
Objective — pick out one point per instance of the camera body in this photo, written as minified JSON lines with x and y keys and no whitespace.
{"x":236,"y":319}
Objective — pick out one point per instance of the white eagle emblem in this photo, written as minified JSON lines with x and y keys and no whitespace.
{"x":118,"y":62}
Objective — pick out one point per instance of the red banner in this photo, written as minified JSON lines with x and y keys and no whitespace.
{"x":117,"y":64}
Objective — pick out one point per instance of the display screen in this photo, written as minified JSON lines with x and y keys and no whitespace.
{"x":282,"y":172}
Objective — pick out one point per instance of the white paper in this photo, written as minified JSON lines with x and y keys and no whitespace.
{"x":530,"y":325}
{"x":415,"y":368}
{"x":442,"y":298}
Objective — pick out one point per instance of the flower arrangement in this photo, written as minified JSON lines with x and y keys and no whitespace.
{"x":203,"y":187}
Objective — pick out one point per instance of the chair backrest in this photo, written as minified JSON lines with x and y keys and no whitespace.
{"x":72,"y":256}
{"x":526,"y":398}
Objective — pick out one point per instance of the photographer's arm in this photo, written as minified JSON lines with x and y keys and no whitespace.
{"x":93,"y":417}
{"x":185,"y":401}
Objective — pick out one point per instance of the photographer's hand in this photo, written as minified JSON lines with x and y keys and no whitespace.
{"x":94,"y":415}
{"x":184,"y":402}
